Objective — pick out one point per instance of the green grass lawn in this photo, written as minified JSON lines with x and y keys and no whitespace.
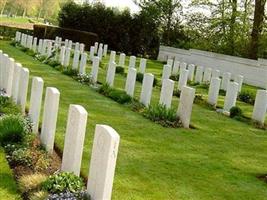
{"x":8,"y":187}
{"x":221,"y":159}
{"x":14,"y":20}
{"x":19,"y":20}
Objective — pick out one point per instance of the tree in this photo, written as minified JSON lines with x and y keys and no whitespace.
{"x":232,"y":26}
{"x":257,"y":28}
{"x":163,"y":12}
{"x":2,"y":6}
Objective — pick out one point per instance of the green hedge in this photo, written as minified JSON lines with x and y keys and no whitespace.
{"x":50,"y":32}
{"x":9,"y":32}
{"x":133,"y":34}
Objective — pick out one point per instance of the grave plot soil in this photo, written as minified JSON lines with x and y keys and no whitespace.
{"x":54,"y":164}
{"x":23,"y":170}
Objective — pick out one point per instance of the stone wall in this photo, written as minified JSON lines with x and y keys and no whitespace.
{"x":254,"y":71}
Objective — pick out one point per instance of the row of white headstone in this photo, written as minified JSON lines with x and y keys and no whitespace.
{"x":14,"y":80}
{"x":198,"y":74}
{"x":187,"y":72}
{"x":187,"y":95}
{"x":45,"y":48}
{"x":132,"y":61}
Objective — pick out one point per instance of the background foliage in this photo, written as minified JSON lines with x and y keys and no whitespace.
{"x":135,"y":34}
{"x":232,"y":27}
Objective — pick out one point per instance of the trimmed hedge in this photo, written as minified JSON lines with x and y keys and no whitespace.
{"x":50,"y":32}
{"x":123,"y":32}
{"x":9,"y":32}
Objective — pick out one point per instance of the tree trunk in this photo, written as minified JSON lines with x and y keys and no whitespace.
{"x":232,"y":27}
{"x":169,"y":19}
{"x":223,"y":16}
{"x":24,"y":12}
{"x":40,"y":9}
{"x":39,"y":13}
{"x":3,"y":9}
{"x":257,"y":28}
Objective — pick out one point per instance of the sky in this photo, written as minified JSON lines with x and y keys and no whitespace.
{"x":122,"y":4}
{"x":134,"y":8}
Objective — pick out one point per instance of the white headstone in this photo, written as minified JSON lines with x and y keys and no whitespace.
{"x":56,"y":40}
{"x":112,"y":57}
{"x":207,"y":75}
{"x":4,"y":71}
{"x":36,"y":101}
{"x":22,"y":39}
{"x":59,"y":41}
{"x":49,"y":48}
{"x":185,"y":106}
{"x":239,"y":79}
{"x":77,"y":46}
{"x":142,"y":66}
{"x":1,"y":69}
{"x":231,"y":95}
{"x":166,"y":92}
{"x":34,"y":46}
{"x":183,"y":66}
{"x":214,"y":90}
{"x":132,"y":61}
{"x":9,"y":75}
{"x":100,"y":47}
{"x":111,"y":73}
{"x":70,"y":44}
{"x":175,"y":69}
{"x":17,"y":36}
{"x":67,"y":57}
{"x":81,"y":47}
{"x":92,"y":53}
{"x":182,"y":79}
{"x":74,"y":140}
{"x":103,"y":163}
{"x":40,"y":46}
{"x":147,"y":87}
{"x":62,"y":55}
{"x":66,"y":43}
{"x":215,"y":73}
{"x":16,"y":80}
{"x":191,"y":72}
{"x":43,"y":51}
{"x":76,"y":59}
{"x":225,"y":80}
{"x":96,"y":47}
{"x":50,"y":118}
{"x":199,"y":74}
{"x":23,"y":89}
{"x":29,"y":41}
{"x":170,"y":62}
{"x":166,"y":73}
{"x":95,"y":67}
{"x":122,"y":59}
{"x":100,"y":52}
{"x":105,"y":50}
{"x":83,"y":63}
{"x":260,"y":107}
{"x":130,"y":81}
